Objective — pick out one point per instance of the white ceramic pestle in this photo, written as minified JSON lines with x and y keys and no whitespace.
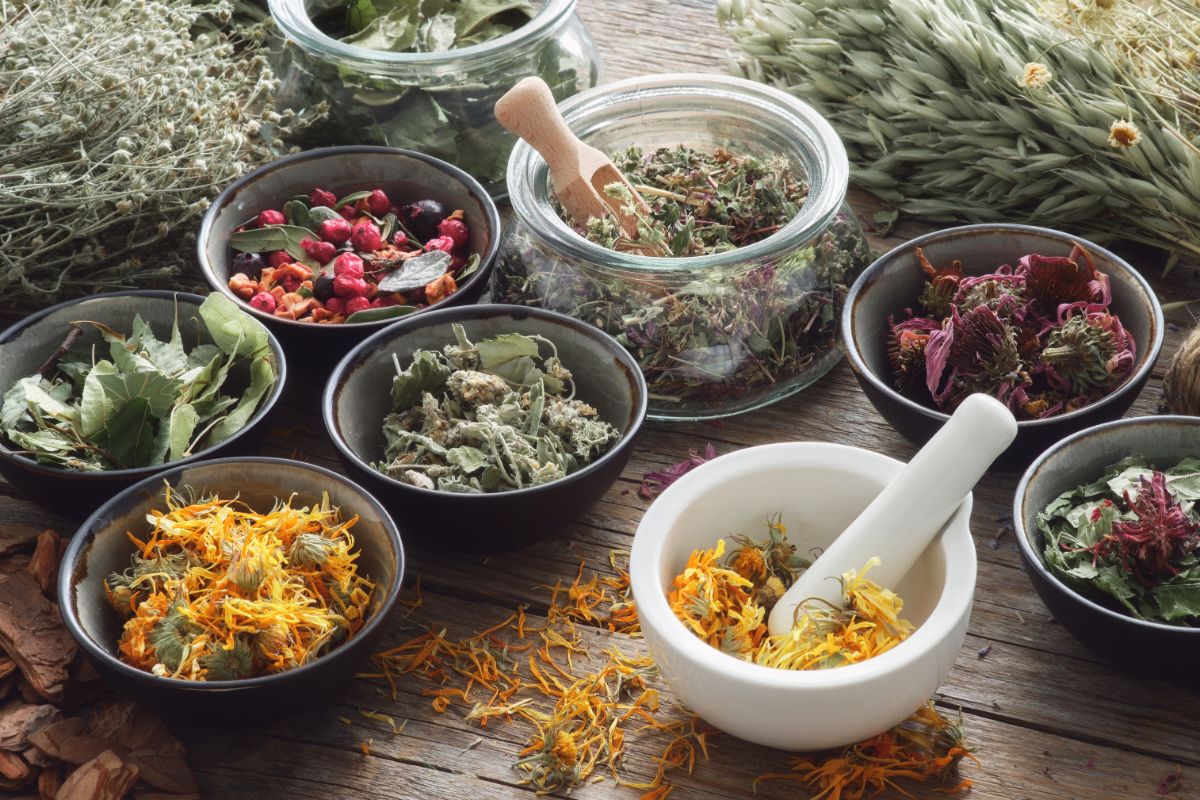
{"x":911,"y":510}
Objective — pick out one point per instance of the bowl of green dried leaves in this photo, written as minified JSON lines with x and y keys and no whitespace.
{"x":1109,"y":531}
{"x":486,"y":428}
{"x":102,"y":392}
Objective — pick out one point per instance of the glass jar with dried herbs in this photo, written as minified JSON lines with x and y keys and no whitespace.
{"x":754,"y":243}
{"x":425,"y":74}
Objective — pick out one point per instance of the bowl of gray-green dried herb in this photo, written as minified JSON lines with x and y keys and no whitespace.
{"x":102,"y":392}
{"x":486,"y":428}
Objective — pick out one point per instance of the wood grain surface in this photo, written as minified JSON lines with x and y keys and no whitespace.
{"x":1046,"y":717}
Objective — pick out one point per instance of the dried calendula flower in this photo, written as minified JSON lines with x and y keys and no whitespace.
{"x":218,"y":591}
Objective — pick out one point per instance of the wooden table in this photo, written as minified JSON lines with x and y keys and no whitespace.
{"x":1046,"y":717}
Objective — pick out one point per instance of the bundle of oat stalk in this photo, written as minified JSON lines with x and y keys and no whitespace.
{"x":1083,"y":114}
{"x":119,"y":121}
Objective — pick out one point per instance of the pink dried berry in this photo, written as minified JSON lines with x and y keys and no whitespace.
{"x":444,"y":243}
{"x":357,"y":304}
{"x":290,"y":283}
{"x":348,"y":264}
{"x":264,"y":302}
{"x":346,"y":286}
{"x":278,"y":258}
{"x":348,"y":212}
{"x":378,"y":203}
{"x":335,"y":230}
{"x":366,"y":238}
{"x":400,"y":239}
{"x":455,"y":229}
{"x":322,"y":197}
{"x":335,"y":305}
{"x":270,"y":217}
{"x":320,"y":252}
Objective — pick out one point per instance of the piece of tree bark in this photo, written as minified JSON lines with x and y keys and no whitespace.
{"x":49,"y":782}
{"x":44,"y":564}
{"x":50,"y":739}
{"x":105,"y":777}
{"x":170,"y":773}
{"x":15,"y":536}
{"x":14,"y":771}
{"x":7,"y":666}
{"x":33,"y":635}
{"x":19,"y":720}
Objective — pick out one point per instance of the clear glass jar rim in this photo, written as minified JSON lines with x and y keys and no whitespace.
{"x":292,"y":18}
{"x":829,"y":171}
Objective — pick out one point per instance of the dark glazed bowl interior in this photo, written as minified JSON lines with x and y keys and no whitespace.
{"x":893,"y":283}
{"x":1134,"y":644}
{"x":404,"y":175}
{"x":25,"y":347}
{"x":358,"y":397}
{"x":101,"y":547}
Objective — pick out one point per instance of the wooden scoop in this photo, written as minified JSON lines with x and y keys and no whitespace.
{"x":578,"y":171}
{"x":910,"y":511}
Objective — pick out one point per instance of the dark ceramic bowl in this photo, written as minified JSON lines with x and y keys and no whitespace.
{"x":25,"y":347}
{"x":102,"y":547}
{"x":1134,"y":644}
{"x":358,"y":397}
{"x":893,"y":282}
{"x":405,"y":176}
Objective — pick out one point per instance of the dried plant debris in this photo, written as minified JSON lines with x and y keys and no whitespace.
{"x":52,"y":745}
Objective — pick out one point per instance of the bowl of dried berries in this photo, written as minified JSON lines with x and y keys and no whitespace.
{"x":1110,"y":535}
{"x":1061,"y":330}
{"x":101,"y":392}
{"x":233,"y":584}
{"x":486,"y":428}
{"x":327,"y":246}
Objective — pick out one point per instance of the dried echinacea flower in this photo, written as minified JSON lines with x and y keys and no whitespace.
{"x":1038,"y":337}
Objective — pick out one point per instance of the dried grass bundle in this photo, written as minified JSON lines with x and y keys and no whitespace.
{"x":1082,"y":114}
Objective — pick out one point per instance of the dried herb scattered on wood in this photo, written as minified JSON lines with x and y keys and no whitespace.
{"x":218,"y":591}
{"x":706,"y":340}
{"x":489,"y":417}
{"x":148,"y":403}
{"x":725,"y":600}
{"x":1131,"y":539}
{"x":1039,"y":337}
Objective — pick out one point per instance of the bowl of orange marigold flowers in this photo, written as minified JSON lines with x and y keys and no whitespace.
{"x":1062,"y":331}
{"x":326,"y":246}
{"x":232,"y":583}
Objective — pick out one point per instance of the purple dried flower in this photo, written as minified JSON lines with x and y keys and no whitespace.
{"x":972,"y":352}
{"x":654,"y":482}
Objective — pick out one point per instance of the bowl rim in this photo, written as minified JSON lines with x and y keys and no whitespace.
{"x":208,"y":269}
{"x":134,"y":473}
{"x":86,"y":534}
{"x":955,"y":600}
{"x":1146,"y":358}
{"x":1034,"y":561}
{"x":444,"y":317}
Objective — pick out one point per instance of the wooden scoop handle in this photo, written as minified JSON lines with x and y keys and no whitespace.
{"x":529,"y":110}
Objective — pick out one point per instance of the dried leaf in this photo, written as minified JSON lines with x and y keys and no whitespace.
{"x":417,"y":272}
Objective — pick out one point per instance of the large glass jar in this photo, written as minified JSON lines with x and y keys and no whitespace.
{"x":437,"y":103}
{"x":716,"y":334}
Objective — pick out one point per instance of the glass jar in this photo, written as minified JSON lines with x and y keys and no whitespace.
{"x":716,"y":334}
{"x":437,"y":103}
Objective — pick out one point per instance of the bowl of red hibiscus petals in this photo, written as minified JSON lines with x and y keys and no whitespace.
{"x":1108,"y":525}
{"x":1059,"y":329}
{"x":328,"y":245}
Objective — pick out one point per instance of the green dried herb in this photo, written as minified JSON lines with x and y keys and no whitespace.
{"x":489,"y":417}
{"x":151,"y":402}
{"x":707,"y":341}
{"x":448,"y":114}
{"x":1132,"y":537}
{"x":700,"y":203}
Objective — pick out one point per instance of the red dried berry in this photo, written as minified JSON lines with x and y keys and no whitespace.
{"x":335,"y":230}
{"x":321,"y":197}
{"x":335,"y":305}
{"x":264,"y":302}
{"x":357,"y":304}
{"x":456,"y":229}
{"x":378,"y":203}
{"x":348,"y":264}
{"x":290,"y":283}
{"x":400,"y":239}
{"x":278,"y":258}
{"x":444,"y":243}
{"x":346,"y":286}
{"x":320,"y":252}
{"x":270,"y":217}
{"x":348,"y":212}
{"x":366,"y":238}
